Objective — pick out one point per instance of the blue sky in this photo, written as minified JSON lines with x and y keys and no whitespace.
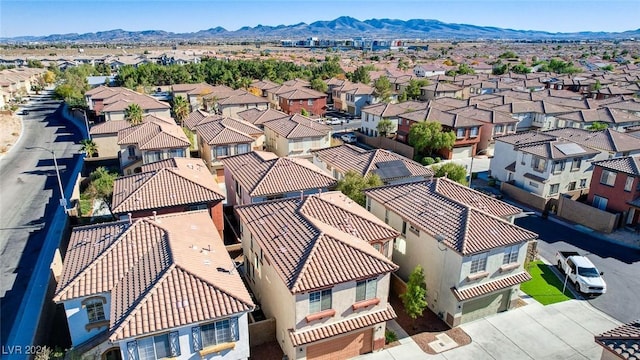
{"x":45,"y":17}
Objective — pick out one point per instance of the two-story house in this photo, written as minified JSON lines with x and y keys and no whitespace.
{"x":232,"y":105}
{"x":192,"y":187}
{"x":260,"y":176}
{"x":154,"y":288}
{"x":440,"y":89}
{"x":259,"y":117}
{"x":372,"y":114}
{"x":320,"y":266}
{"x":151,"y":141}
{"x":193,"y":93}
{"x":471,"y":252}
{"x":534,"y":114}
{"x":352,"y":97}
{"x":293,"y":101}
{"x":615,"y":186}
{"x":296,"y":136}
{"x":494,"y":123}
{"x":392,"y":168}
{"x":219,"y":137}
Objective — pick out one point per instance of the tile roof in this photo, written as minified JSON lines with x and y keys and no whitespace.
{"x":559,"y":149}
{"x":607,"y":140}
{"x":342,"y":327}
{"x":259,"y":117}
{"x":159,"y":273}
{"x":627,"y":164}
{"x":484,"y":115}
{"x":491,"y":286}
{"x":297,"y":126}
{"x":301,"y":94}
{"x":351,"y":158}
{"x":109,"y":127}
{"x":392,"y":110}
{"x":263,"y":173}
{"x":243,"y":99}
{"x":624,"y":341}
{"x":195,"y":118}
{"x":165,"y":187}
{"x":227,"y":131}
{"x":154,"y":134}
{"x":319,"y":241}
{"x":470,"y":221}
{"x":605,"y":115}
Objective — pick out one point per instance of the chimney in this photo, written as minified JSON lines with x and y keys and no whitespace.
{"x":130,"y":219}
{"x":155,"y":213}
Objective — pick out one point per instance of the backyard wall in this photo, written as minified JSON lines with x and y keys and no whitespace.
{"x":586,"y":215}
{"x":398,"y":286}
{"x":262,"y":332}
{"x":524,"y":196}
{"x":381,"y":142}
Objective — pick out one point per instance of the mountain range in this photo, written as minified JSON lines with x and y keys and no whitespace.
{"x":340,"y":28}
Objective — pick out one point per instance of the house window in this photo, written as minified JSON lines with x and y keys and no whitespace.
{"x":95,"y":310}
{"x":478,"y":263}
{"x":575,"y":165}
{"x":414,"y":230}
{"x":366,"y":289}
{"x":386,"y":216}
{"x":368,"y":203}
{"x":242,"y":148}
{"x":460,"y":133}
{"x":539,"y":164}
{"x":176,"y":153}
{"x":197,"y":207}
{"x":218,"y":332}
{"x":600,"y":202}
{"x":608,"y":177}
{"x":474,"y":132}
{"x":533,"y":184}
{"x":583,"y":183}
{"x":572,"y":186}
{"x":510,"y":254}
{"x":131,"y":151}
{"x":153,"y":156}
{"x":377,"y":247}
{"x":498,"y":129}
{"x":628,"y":184}
{"x":554,"y":189}
{"x":310,"y":102}
{"x":558,"y":166}
{"x":404,"y":228}
{"x":154,"y":347}
{"x":222,"y":151}
{"x":319,"y":301}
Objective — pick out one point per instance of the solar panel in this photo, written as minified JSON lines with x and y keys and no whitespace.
{"x":392,"y":170}
{"x":570,"y":148}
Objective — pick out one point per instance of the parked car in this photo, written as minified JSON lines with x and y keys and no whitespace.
{"x":333,"y":121}
{"x":489,"y":191}
{"x":349,"y":138}
{"x":581,"y":272}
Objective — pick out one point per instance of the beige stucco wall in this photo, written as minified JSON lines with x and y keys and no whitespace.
{"x":107,"y":145}
{"x":586,"y":215}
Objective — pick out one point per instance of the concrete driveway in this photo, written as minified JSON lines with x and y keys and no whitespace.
{"x":559,"y":331}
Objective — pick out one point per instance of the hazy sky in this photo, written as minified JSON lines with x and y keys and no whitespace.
{"x":45,"y":17}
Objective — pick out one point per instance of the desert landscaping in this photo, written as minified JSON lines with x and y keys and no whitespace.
{"x":10,"y":128}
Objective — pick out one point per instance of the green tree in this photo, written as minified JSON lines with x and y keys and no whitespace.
{"x":508,"y":55}
{"x":427,"y":136}
{"x":304,"y":112}
{"x":521,"y":69}
{"x":88,"y":147}
{"x":318,"y":85}
{"x":133,"y":114}
{"x":181,"y":109}
{"x":412,"y":91}
{"x":455,"y":172}
{"x":597,"y":126}
{"x":382,"y":88}
{"x":101,"y":185}
{"x":353,"y":183}
{"x":414,"y":299}
{"x":384,"y":127}
{"x":361,"y":75}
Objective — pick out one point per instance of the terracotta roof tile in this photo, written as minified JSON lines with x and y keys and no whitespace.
{"x":259,"y":117}
{"x":226,"y":131}
{"x":627,"y":164}
{"x":297,"y":126}
{"x":491,"y":286}
{"x":624,"y":341}
{"x":342,"y":327}
{"x":607,"y":140}
{"x":154,"y":135}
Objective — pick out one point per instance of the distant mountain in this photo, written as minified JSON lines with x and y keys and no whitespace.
{"x":340,"y":28}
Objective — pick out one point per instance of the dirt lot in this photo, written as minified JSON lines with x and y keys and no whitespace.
{"x":10,"y":128}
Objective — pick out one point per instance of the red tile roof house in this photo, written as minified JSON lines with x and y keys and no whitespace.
{"x":352,"y":97}
{"x":293,"y":101}
{"x":219,"y":137}
{"x":615,"y":187}
{"x":372,"y":114}
{"x":389,"y":166}
{"x":622,"y":342}
{"x":311,"y":265}
{"x":471,"y":251}
{"x":259,"y":117}
{"x":260,"y":176}
{"x":169,"y":186}
{"x":296,"y":136}
{"x":151,"y":141}
{"x":158,"y":287}
{"x":467,"y":130}
{"x":110,"y":103}
{"x":495,"y":123}
{"x":232,"y":105}
{"x":193,"y":93}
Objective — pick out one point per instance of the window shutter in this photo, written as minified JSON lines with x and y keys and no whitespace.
{"x":132,"y":350}
{"x":174,"y":343}
{"x":233,"y":323}
{"x":195,"y":338}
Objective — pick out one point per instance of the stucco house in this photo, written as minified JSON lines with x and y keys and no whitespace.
{"x":615,"y":187}
{"x":471,"y":252}
{"x":311,"y":265}
{"x":296,"y":136}
{"x":152,"y":288}
{"x":372,"y":114}
{"x":260,"y":176}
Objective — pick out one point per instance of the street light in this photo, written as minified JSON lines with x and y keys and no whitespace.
{"x":471,"y":166}
{"x":86,"y":122}
{"x":63,"y":200}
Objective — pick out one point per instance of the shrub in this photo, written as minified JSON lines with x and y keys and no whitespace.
{"x":427,"y":160}
{"x":390,"y":336}
{"x":438,"y":159}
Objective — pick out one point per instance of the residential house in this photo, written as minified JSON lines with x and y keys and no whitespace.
{"x":311,"y":265}
{"x":622,"y":342}
{"x":169,"y":186}
{"x":259,"y":117}
{"x":151,"y":141}
{"x":615,"y":187}
{"x":540,"y":114}
{"x":441,"y":89}
{"x":260,"y":87}
{"x":222,"y":137}
{"x":110,"y":103}
{"x":428,"y":70}
{"x":372,"y":114}
{"x":613,"y":118}
{"x":232,"y":105}
{"x":260,"y":176}
{"x":105,"y":136}
{"x":471,"y":252}
{"x":392,"y":168}
{"x":495,"y":123}
{"x":292,"y":102}
{"x":193,"y":93}
{"x":296,"y":136}
{"x":352,"y":97}
{"x":153,"y":288}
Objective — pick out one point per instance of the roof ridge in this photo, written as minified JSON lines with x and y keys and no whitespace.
{"x":270,"y":168}
{"x":180,"y":172}
{"x":147,"y":175}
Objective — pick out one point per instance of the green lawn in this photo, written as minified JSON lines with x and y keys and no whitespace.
{"x":544,"y":286}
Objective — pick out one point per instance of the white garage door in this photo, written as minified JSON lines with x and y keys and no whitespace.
{"x":487,"y":305}
{"x":462,"y":152}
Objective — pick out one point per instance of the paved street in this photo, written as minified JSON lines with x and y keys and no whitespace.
{"x":29,"y":195}
{"x":620,"y":264}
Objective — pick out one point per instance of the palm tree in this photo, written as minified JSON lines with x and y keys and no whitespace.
{"x":89,"y":147}
{"x":133,"y":114}
{"x":180,"y":109}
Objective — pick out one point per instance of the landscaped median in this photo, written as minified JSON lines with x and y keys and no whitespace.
{"x":545,"y":286}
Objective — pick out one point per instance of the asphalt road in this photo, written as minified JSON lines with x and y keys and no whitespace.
{"x":29,"y":195}
{"x":621,"y":265}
